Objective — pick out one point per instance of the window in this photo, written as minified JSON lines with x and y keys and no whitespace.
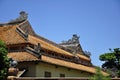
{"x":62,"y":75}
{"x":47,"y":74}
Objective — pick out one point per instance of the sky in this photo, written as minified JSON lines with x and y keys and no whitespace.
{"x":97,"y":22}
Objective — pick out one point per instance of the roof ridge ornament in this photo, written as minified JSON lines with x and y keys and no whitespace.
{"x":34,"y":51}
{"x":73,"y":40}
{"x":73,"y":45}
{"x":37,"y":48}
{"x":23,"y":16}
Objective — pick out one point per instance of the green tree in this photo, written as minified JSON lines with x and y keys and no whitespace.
{"x":4,"y":61}
{"x":99,"y":76}
{"x":111,"y":61}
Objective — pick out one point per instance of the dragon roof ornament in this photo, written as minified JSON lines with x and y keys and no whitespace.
{"x":73,"y":40}
{"x":23,"y":16}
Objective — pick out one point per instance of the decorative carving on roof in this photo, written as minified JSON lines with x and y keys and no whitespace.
{"x":37,"y":48}
{"x":87,"y":53}
{"x":73,"y":44}
{"x":34,"y":52}
{"x":74,"y":40}
{"x":23,"y":16}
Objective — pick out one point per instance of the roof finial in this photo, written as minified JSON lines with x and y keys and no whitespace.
{"x":73,"y":40}
{"x":23,"y":16}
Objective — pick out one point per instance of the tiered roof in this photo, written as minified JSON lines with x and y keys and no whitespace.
{"x":22,"y":56}
{"x":22,"y":33}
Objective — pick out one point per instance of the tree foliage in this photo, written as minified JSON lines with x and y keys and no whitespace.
{"x":112,"y":61}
{"x":99,"y":76}
{"x":4,"y":61}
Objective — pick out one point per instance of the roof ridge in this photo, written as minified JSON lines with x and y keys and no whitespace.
{"x":49,"y":41}
{"x":22,"y":22}
{"x":33,"y":38}
{"x":13,"y":23}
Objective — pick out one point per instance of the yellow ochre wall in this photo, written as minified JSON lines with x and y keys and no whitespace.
{"x":57,"y":70}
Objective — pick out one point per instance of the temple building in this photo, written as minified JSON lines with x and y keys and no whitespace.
{"x":40,"y":57}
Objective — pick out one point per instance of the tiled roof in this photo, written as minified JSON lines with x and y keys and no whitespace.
{"x":70,"y":65}
{"x":83,"y":57}
{"x":9,"y":35}
{"x":22,"y":56}
{"x":47,"y":46}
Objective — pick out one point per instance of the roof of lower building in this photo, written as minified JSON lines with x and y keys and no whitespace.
{"x":70,"y":65}
{"x":22,"y":56}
